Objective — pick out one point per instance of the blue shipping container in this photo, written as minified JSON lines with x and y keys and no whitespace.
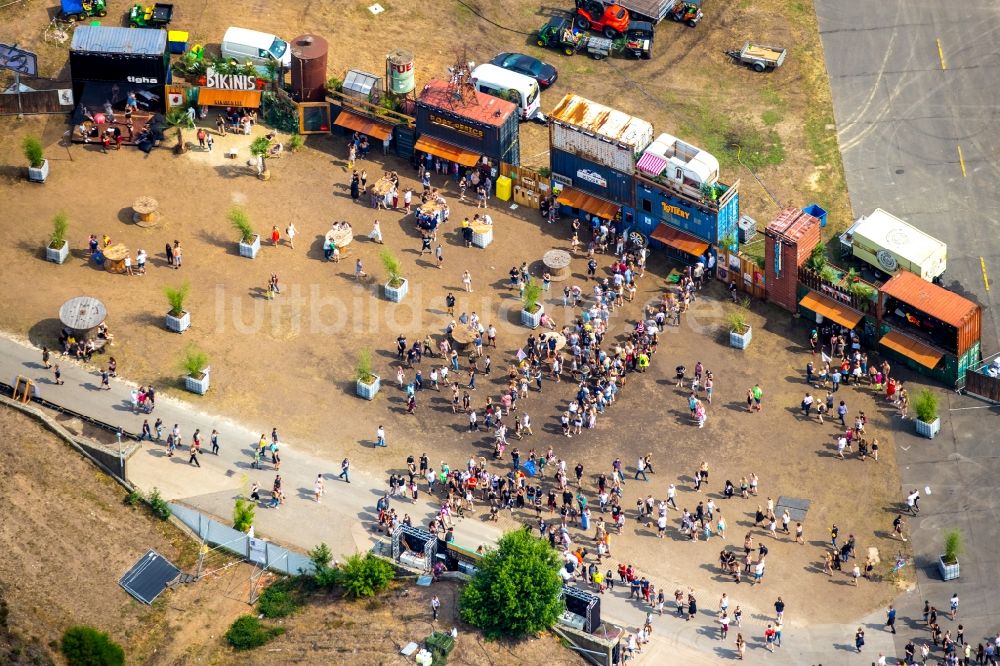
{"x":655,"y":204}
{"x":593,"y":178}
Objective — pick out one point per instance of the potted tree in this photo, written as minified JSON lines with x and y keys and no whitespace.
{"x":195,"y":365}
{"x":178,"y":118}
{"x":396,"y":286}
{"x":249,"y":241}
{"x":948,"y":563}
{"x":926,"y":406}
{"x":367,"y":383}
{"x":531,"y":310}
{"x":58,"y":248}
{"x":38,"y":166}
{"x":178,"y":319}
{"x":260,"y":148}
{"x":740,"y":332}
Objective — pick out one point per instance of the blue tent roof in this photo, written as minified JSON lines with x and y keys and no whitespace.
{"x":131,"y":41}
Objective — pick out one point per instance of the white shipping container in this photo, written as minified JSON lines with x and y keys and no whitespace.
{"x":571,"y":140}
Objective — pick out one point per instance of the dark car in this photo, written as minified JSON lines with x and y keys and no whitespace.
{"x":540,"y":71}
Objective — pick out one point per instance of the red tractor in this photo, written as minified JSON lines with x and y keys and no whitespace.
{"x":602,"y":16}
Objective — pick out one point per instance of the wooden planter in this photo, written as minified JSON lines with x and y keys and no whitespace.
{"x":40,"y":174}
{"x":368,"y":391}
{"x":197,"y":383}
{"x":532,"y":319}
{"x":396,"y":294}
{"x":57,"y":256}
{"x":948,"y":571}
{"x":741,"y":340}
{"x":178,"y":324}
{"x":250,"y":250}
{"x":928,"y":430}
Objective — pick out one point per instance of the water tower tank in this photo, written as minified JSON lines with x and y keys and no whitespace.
{"x":309,"y":67}
{"x":400,"y":66}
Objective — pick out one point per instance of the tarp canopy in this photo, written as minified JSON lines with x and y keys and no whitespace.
{"x":679,"y":240}
{"x":446,"y":151}
{"x":576,"y":199}
{"x":831,"y":309}
{"x":912,"y":348}
{"x":353,"y":121}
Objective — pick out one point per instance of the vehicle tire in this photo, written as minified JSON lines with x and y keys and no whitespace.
{"x":102,"y":13}
{"x":637,"y":238}
{"x":582,"y":23}
{"x":758,"y":67}
{"x":597,"y":56}
{"x":540,"y":42}
{"x":648,"y":55}
{"x":692,"y":23}
{"x":79,"y":17}
{"x":610,"y":33}
{"x":569,"y":51}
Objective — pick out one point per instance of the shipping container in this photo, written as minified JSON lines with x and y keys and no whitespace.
{"x":127,"y":55}
{"x":710,"y":221}
{"x":601,"y":134}
{"x":952,"y":321}
{"x":487,"y":126}
{"x":593,"y":178}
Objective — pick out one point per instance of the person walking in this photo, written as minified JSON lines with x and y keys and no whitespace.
{"x":890,"y":618}
{"x":46,"y":355}
{"x":741,"y":646}
{"x":779,"y":610}
{"x":58,"y":374}
{"x":290,"y":232}
{"x":318,"y":487}
{"x":859,"y":639}
{"x":435,"y":607}
{"x":380,"y":436}
{"x":214,"y":439}
{"x":467,"y":281}
{"x":954,"y":606}
{"x":345,"y":470}
{"x":193,"y":460}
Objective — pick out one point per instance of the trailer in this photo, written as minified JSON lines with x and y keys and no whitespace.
{"x":758,"y":56}
{"x":889,"y":244}
{"x":560,"y":33}
{"x":654,"y":11}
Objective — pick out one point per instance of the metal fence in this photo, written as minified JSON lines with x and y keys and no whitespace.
{"x":265,"y":553}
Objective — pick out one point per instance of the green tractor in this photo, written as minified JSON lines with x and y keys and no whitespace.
{"x":78,"y":10}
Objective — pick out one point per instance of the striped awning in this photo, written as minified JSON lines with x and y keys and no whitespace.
{"x":652,"y":164}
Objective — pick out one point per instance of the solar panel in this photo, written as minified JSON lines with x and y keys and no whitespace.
{"x":149,"y":576}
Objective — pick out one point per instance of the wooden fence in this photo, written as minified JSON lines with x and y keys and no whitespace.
{"x":982,"y":386}
{"x":744,"y":270}
{"x":528,"y":185}
{"x":37,"y":101}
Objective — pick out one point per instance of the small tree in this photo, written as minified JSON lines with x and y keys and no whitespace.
{"x":261,"y":149}
{"x":33,"y":152}
{"x":363,"y":370}
{"x":86,"y":646}
{"x":952,"y":546}
{"x":926,"y":406}
{"x":817,"y":258}
{"x":60,"y":225}
{"x":321,"y":556}
{"x":159,"y":506}
{"x":393,"y":269}
{"x":238,"y":217}
{"x":324,"y":576}
{"x":178,"y":118}
{"x":194,"y":363}
{"x":295,"y":142}
{"x":243,"y":515}
{"x":532,"y":293}
{"x":366,"y":575}
{"x":177,"y":297}
{"x":516,"y":588}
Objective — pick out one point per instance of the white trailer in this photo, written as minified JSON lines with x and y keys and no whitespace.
{"x":889,"y":244}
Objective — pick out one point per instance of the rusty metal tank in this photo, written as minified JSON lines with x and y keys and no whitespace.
{"x":309,"y":67}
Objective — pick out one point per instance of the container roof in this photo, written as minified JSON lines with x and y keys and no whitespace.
{"x":892,"y":233}
{"x":489,"y":111}
{"x":944,"y":305}
{"x":791,"y":224}
{"x":130,"y":41}
{"x":602,"y":120}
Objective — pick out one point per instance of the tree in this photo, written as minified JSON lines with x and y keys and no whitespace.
{"x":179,"y":118}
{"x":365,"y":575}
{"x":516,"y":588}
{"x":86,"y":646}
{"x":261,"y":149}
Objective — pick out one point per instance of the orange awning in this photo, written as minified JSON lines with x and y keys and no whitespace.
{"x":446,"y":151}
{"x":361,"y":124}
{"x":679,"y":240}
{"x":214,"y":97}
{"x":577,"y":199}
{"x":912,"y":348}
{"x":831,"y":309}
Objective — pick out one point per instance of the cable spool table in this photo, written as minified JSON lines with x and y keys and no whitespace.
{"x":462,"y":336}
{"x":146,"y":212}
{"x":82,"y":313}
{"x":557,"y":262}
{"x":340,"y":234}
{"x":114,"y":258}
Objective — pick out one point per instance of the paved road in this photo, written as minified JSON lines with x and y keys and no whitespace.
{"x":904,"y":112}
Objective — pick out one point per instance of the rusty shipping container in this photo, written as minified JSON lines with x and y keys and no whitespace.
{"x":962,"y":316}
{"x":598,"y":133}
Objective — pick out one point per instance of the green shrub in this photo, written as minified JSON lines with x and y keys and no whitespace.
{"x":363,"y":370}
{"x":134,"y":498}
{"x":736,"y":322}
{"x":952,"y":546}
{"x":279,"y":599}
{"x":321,"y":556}
{"x":158,"y":505}
{"x":247,"y":633}
{"x":194,"y":361}
{"x":243,"y":514}
{"x":926,"y":406}
{"x":393,"y":269}
{"x":241,"y":222}
{"x":60,"y":225}
{"x":295,"y":142}
{"x":86,"y":646}
{"x":366,"y":575}
{"x":334,"y":84}
{"x":532,"y":292}
{"x":260,"y":147}
{"x":817,"y":258}
{"x":177,"y":297}
{"x":32,"y":148}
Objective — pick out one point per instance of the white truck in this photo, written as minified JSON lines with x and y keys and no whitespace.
{"x":889,"y":244}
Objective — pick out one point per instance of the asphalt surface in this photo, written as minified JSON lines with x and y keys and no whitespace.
{"x":917,"y":106}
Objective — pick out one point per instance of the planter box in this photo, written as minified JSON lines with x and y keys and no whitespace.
{"x":57,"y":256}
{"x":484,"y":237}
{"x":396,"y":294}
{"x":178,"y":324}
{"x":928,"y":430}
{"x":40,"y":174}
{"x":197,"y":385}
{"x":532,"y":319}
{"x":741,"y":340}
{"x":368,"y":391}
{"x":250,"y":250}
{"x":948,"y":571}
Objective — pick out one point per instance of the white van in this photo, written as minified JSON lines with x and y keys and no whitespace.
{"x":258,"y":47}
{"x":520,"y":89}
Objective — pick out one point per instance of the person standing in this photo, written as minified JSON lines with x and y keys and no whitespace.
{"x":290,"y":232}
{"x":358,"y":270}
{"x":58,"y":374}
{"x":467,"y":281}
{"x":890,"y":618}
{"x":779,"y":610}
{"x":758,"y":394}
{"x":318,"y":487}
{"x":741,"y":646}
{"x":380,"y":436}
{"x":46,"y":355}
{"x":859,"y":639}
{"x":954,"y":606}
{"x":106,"y":381}
{"x":345,"y":470}
{"x":214,"y":439}
{"x":178,"y":254}
{"x":439,"y":253}
{"x":435,"y":607}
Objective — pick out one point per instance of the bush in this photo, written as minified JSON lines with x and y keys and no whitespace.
{"x":247,"y":633}
{"x":32,"y":148}
{"x":736,"y":322}
{"x":194,"y":362}
{"x":516,"y":589}
{"x":279,"y":599}
{"x":260,"y":147}
{"x":393,"y":269}
{"x":241,"y":222}
{"x":952,"y":546}
{"x":926,"y":406}
{"x":365,"y":575}
{"x":295,"y":142}
{"x":86,"y":646}
{"x":243,"y":514}
{"x":177,"y":297}
{"x":321,"y":556}
{"x":158,"y":505}
{"x":60,"y":225}
{"x":133,"y":498}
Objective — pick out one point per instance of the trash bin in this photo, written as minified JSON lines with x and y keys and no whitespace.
{"x":177,"y":41}
{"x":817,"y":212}
{"x":503,"y":188}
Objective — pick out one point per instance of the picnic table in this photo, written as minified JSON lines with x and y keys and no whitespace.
{"x":557,"y":263}
{"x":340,"y":234}
{"x":82,"y":313}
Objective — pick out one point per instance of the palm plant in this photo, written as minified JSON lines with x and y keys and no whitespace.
{"x":32,"y":148}
{"x":736,"y":322}
{"x":60,"y":225}
{"x":261,"y":149}
{"x":177,"y":297}
{"x":241,"y":222}
{"x":178,"y":118}
{"x":363,"y":370}
{"x":532,"y":292}
{"x":194,"y":362}
{"x":393,"y":270}
{"x":952,"y":546}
